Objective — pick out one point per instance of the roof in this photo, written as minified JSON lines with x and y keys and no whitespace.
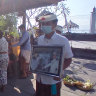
{"x":9,"y":6}
{"x":71,"y":24}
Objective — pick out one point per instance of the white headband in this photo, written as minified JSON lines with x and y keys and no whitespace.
{"x":47,"y":18}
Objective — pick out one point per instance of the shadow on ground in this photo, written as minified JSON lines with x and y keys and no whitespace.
{"x":90,"y":66}
{"x":19,"y":87}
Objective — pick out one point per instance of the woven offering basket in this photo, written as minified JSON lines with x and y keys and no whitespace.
{"x":82,"y":86}
{"x":85,"y":89}
{"x":68,"y":83}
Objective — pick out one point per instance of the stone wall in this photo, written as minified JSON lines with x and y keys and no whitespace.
{"x":84,"y":53}
{"x":81,"y":36}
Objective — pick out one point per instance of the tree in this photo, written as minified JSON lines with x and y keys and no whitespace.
{"x":59,"y":10}
{"x":8,"y":23}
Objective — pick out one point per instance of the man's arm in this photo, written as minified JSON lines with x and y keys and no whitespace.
{"x":22,"y":40}
{"x":46,"y":66}
{"x":67,"y":63}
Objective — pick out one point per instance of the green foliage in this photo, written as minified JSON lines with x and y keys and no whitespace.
{"x":2,"y":23}
{"x":14,"y":33}
{"x":8,"y":24}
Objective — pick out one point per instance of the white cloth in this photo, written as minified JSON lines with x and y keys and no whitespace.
{"x":26,"y":55}
{"x":35,"y":63}
{"x":3,"y":45}
{"x":3,"y":61}
{"x":53,"y":66}
{"x":47,"y":18}
{"x":58,"y":40}
{"x":3,"y":57}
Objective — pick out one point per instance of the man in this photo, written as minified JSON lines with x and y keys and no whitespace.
{"x":59,"y":29}
{"x":53,"y":64}
{"x":47,"y":85}
{"x":25,"y":50}
{"x":44,"y":12}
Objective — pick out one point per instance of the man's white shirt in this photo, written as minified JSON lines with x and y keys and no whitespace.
{"x":56,"y":40}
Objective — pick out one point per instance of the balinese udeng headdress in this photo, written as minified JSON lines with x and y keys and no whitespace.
{"x":48,"y":17}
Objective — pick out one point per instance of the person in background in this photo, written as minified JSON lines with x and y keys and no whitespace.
{"x":47,"y":85}
{"x":25,"y":51}
{"x":59,"y":29}
{"x":12,"y":65}
{"x":33,"y":40}
{"x":4,"y":59}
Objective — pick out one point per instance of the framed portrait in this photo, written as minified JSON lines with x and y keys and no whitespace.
{"x":46,"y":60}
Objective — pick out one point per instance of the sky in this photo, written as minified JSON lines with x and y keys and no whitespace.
{"x":80,"y":7}
{"x":80,"y":12}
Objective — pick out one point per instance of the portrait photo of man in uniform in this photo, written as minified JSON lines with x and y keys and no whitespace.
{"x":46,"y":60}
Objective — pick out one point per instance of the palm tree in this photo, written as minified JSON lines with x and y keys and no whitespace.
{"x":70,"y":25}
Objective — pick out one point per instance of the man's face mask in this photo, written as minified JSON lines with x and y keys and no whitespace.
{"x":46,"y":29}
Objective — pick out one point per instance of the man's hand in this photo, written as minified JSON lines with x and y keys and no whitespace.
{"x":57,"y":78}
{"x":14,"y":45}
{"x":67,"y":62}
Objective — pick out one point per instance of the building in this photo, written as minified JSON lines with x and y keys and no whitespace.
{"x":93,"y":21}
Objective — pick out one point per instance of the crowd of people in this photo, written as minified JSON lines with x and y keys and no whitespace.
{"x":50,"y":34}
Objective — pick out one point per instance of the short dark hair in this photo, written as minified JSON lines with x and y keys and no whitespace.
{"x":21,"y":26}
{"x":1,"y":33}
{"x":55,"y":21}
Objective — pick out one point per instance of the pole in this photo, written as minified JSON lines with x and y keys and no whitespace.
{"x":24,"y":18}
{"x":66,"y":23}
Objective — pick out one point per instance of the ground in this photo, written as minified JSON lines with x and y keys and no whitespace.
{"x":81,"y":69}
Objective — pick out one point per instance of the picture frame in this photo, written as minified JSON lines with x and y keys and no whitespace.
{"x":47,"y":60}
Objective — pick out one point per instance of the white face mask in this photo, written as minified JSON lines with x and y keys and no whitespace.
{"x":46,"y":29}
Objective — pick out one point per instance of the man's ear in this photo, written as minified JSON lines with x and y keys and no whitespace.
{"x":54,"y":24}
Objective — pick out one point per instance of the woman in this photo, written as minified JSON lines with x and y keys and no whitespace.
{"x":3,"y":61}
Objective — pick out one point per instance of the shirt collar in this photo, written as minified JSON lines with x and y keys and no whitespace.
{"x":53,"y":36}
